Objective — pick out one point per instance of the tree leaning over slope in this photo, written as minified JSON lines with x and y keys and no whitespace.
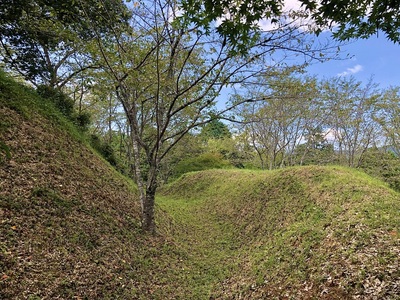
{"x":168,"y":75}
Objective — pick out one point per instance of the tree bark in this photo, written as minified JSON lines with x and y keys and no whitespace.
{"x":146,"y":193}
{"x":148,"y":221}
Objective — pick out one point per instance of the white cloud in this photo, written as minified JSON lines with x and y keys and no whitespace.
{"x":350,"y":71}
{"x":331,"y":134}
{"x":292,"y":4}
{"x":304,"y":22}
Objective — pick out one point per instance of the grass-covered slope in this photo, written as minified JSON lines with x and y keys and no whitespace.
{"x":298,"y":233}
{"x":69,"y":223}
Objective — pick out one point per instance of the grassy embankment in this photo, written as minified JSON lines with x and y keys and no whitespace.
{"x":307,"y":232}
{"x":69,"y":225}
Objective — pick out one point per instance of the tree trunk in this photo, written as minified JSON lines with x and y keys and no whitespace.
{"x":148,"y":201}
{"x":148,"y":221}
{"x":146,"y":195}
{"x":147,"y":190}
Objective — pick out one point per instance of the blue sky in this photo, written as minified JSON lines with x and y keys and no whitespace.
{"x":375,"y":57}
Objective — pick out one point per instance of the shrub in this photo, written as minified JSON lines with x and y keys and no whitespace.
{"x":64,"y":103}
{"x":384,"y":165}
{"x":104,"y":149}
{"x":82,"y":120}
{"x":204,"y":161}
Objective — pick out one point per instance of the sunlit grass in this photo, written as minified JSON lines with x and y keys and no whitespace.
{"x":278,"y":229}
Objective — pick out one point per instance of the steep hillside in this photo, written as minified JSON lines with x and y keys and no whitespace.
{"x":299,"y":233}
{"x":69,"y":224}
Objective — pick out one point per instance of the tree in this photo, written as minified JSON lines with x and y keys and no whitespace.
{"x":47,"y":41}
{"x":279,"y":123}
{"x":168,"y":76}
{"x":316,"y":150}
{"x":352,"y":18}
{"x":215,"y":129}
{"x":388,"y":116}
{"x":357,"y":18}
{"x":352,"y":108}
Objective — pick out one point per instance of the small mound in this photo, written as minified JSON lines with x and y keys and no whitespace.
{"x":305,"y":232}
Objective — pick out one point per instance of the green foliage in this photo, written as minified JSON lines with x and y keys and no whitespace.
{"x":83,"y":120}
{"x":358,"y":18}
{"x":215,"y":130}
{"x":384,"y":165}
{"x":104,"y":149}
{"x":43,"y":40}
{"x":64,"y":103}
{"x":352,"y":19}
{"x":204,"y":161}
{"x":241,"y":28}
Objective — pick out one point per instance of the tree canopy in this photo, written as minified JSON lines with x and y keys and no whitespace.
{"x":46,"y":41}
{"x":237,"y":20}
{"x":357,"y":18}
